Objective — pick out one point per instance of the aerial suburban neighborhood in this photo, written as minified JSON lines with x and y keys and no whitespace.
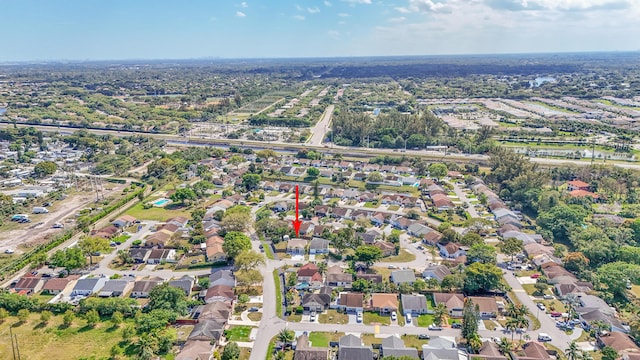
{"x":368,"y":208}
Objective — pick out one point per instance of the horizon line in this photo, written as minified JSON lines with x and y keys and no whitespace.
{"x":218,"y":58}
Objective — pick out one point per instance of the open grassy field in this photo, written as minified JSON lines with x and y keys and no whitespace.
{"x":425,"y":320}
{"x":157,"y":213}
{"x":375,"y":318}
{"x":55,"y":342}
{"x":403,"y":256}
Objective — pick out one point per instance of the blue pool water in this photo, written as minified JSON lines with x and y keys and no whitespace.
{"x":160,"y":202}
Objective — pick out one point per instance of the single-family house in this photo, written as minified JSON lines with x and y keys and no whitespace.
{"x":535,"y":350}
{"x":304,"y":350}
{"x":352,"y":348}
{"x":437,"y":272}
{"x":55,"y":286}
{"x":454,"y":302}
{"x":215,"y":252}
{"x":432,"y":238}
{"x":139,"y":255}
{"x":406,"y":276}
{"x":316,"y":302}
{"x":413,"y":304}
{"x":393,"y":346}
{"x":308,"y":273}
{"x":158,"y":256}
{"x":306,"y":228}
{"x":351,"y":302}
{"x":487,"y":305}
{"x":418,"y":230}
{"x":296,"y":246}
{"x":620,"y":342}
{"x":185,"y":283}
{"x":442,"y":202}
{"x":577,"y":185}
{"x":384,"y":303}
{"x":336,"y":277}
{"x":115,"y":288}
{"x":374,"y":278}
{"x":124,"y":221}
{"x":219,"y":310}
{"x":142,"y":288}
{"x":451,"y":250}
{"x":208,"y":330}
{"x":387,"y":248}
{"x":318,"y":246}
{"x":88,"y":286}
{"x":29,"y":285}
{"x":219,"y":293}
{"x":222,"y":277}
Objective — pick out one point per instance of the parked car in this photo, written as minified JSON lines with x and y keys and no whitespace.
{"x":253,"y":309}
{"x":541,"y":306}
{"x":408,"y":318}
{"x":555,"y":314}
{"x":456,"y":326}
{"x":544,"y":337}
{"x":313,"y":316}
{"x":535,"y":276}
{"x":394,"y":316}
{"x":547,"y":297}
{"x":359,"y":317}
{"x":435,"y":327}
{"x":424,"y":337}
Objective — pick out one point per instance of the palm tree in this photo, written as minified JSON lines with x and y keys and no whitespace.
{"x":512,"y":325}
{"x":512,"y":310}
{"x":573,"y":352}
{"x":286,"y":336}
{"x":439,"y":313}
{"x":504,"y":346}
{"x":586,"y":355}
{"x":523,"y":323}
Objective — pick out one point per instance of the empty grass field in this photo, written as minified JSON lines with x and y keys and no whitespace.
{"x":403,"y":256}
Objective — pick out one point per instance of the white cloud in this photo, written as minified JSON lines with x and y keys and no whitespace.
{"x":299,"y":8}
{"x":333,"y":33}
{"x":244,"y":4}
{"x":367,"y":2}
{"x":343,"y":15}
{"x":298,"y":17}
{"x":313,"y":10}
{"x":327,"y":3}
{"x":429,"y":6}
{"x":240,"y":14}
{"x":398,"y":19}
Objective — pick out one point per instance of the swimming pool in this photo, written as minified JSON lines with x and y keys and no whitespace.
{"x":161,"y":202}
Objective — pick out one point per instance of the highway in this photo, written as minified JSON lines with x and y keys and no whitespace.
{"x":320,"y":129}
{"x":176,"y":140}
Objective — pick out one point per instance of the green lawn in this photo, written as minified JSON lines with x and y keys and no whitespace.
{"x":371,"y":205}
{"x":333,"y":317}
{"x":322,"y":339}
{"x":238,"y":333}
{"x":276,"y":279}
{"x":157,"y":213}
{"x":374,"y":317}
{"x":424,"y":320}
{"x":403,"y":256}
{"x":54,"y":342}
{"x":394,"y":208}
{"x":294,"y":318}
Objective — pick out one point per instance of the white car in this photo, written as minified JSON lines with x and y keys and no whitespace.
{"x":394,"y":316}
{"x":313,"y":316}
{"x":359,"y":317}
{"x":541,"y":306}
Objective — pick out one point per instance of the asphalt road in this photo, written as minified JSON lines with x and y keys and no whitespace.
{"x":319,"y":130}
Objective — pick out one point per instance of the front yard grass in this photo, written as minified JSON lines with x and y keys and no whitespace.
{"x":372,"y":317}
{"x":333,"y":317}
{"x":294,"y":317}
{"x":403,"y":256}
{"x":490,"y":325}
{"x":255,"y":316}
{"x":425,"y":320}
{"x":238,"y":333}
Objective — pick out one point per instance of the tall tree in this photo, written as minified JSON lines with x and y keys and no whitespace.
{"x":93,"y":245}
{"x":470,"y":318}
{"x":235,"y":242}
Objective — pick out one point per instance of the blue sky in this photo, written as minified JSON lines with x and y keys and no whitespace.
{"x":159,"y":29}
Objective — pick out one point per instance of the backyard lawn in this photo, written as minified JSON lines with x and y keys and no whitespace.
{"x":403,"y":256}
{"x":238,"y":333}
{"x":413,"y":341}
{"x":333,"y":317}
{"x":322,"y":339}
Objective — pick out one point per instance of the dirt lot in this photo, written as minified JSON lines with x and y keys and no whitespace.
{"x":23,"y":236}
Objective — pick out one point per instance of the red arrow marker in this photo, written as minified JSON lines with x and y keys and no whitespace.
{"x":297,"y":222}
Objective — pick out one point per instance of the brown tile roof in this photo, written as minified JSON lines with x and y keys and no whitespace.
{"x":384,"y":301}
{"x":351,"y":299}
{"x":619,"y":341}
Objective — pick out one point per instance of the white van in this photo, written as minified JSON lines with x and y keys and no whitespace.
{"x":544,"y":337}
{"x":408,"y":318}
{"x":40,"y":210}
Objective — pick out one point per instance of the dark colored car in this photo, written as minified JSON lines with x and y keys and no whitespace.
{"x":424,"y":337}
